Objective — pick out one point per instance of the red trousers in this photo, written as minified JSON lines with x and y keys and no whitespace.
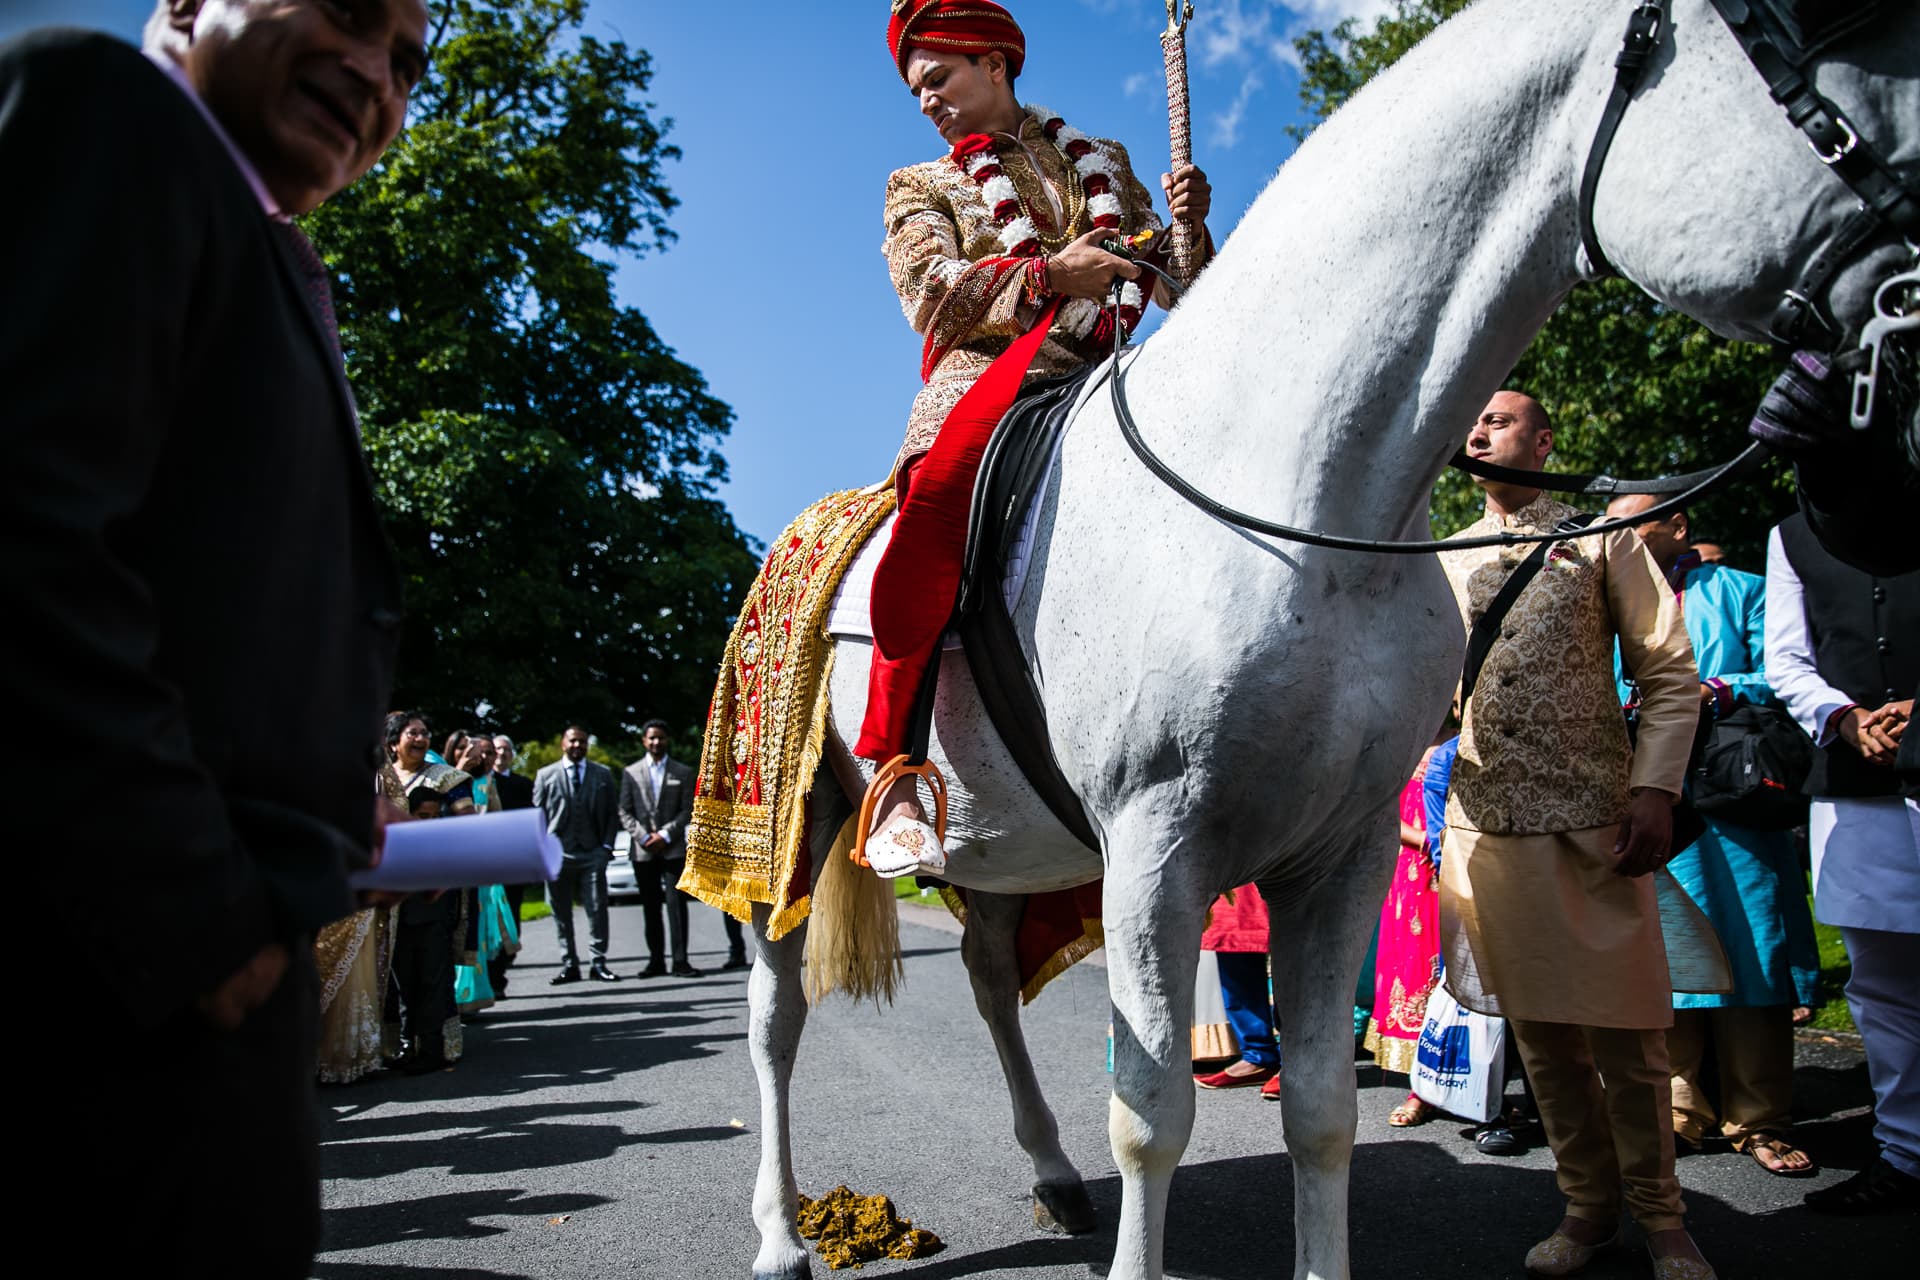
{"x":918,"y":580}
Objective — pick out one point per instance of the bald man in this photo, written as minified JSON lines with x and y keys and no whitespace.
{"x":1555,"y":826}
{"x":1748,"y":882}
{"x":181,"y":442}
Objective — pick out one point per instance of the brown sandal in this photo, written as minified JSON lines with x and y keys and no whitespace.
{"x":1415,"y":1110}
{"x":1754,"y":1143}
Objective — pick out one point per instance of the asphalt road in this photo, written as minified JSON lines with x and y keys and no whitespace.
{"x":599,"y":1131}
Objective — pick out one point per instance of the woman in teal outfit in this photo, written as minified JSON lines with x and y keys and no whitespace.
{"x":1750,"y":884}
{"x":493,"y":929}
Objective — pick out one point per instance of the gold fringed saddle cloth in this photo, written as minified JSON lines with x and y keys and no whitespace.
{"x":767,"y":724}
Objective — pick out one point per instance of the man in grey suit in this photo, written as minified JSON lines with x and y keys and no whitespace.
{"x":656,"y":803}
{"x":577,"y":796}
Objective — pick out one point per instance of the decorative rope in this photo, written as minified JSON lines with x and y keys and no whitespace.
{"x":1173,"y":46}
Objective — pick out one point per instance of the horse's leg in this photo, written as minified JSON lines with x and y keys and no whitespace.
{"x":777,"y":1011}
{"x":1060,"y":1200}
{"x":1316,"y":941}
{"x":1153,"y":925}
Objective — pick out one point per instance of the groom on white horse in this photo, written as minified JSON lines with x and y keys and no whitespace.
{"x":997,"y":252}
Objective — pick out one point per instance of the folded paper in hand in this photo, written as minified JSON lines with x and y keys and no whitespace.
{"x":465,"y":853}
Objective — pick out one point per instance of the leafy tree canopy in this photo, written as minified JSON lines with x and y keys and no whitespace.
{"x":1634,"y":388}
{"x":545,"y":463}
{"x":535,"y":756}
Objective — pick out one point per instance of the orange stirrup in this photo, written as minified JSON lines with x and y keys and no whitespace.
{"x":889,"y":773}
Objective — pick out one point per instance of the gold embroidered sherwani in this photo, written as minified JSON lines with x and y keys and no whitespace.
{"x":940,"y":231}
{"x":1535,"y":922}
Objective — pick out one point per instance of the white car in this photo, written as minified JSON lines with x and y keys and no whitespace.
{"x":620,"y":881}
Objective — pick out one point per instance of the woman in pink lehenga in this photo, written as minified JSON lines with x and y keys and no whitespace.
{"x":1407,"y":967}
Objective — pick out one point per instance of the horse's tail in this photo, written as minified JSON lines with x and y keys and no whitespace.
{"x":853,"y":929}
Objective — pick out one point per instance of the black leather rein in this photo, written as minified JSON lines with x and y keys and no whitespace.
{"x":1699,"y":485}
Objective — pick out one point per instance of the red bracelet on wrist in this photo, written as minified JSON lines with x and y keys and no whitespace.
{"x":1039,"y":282}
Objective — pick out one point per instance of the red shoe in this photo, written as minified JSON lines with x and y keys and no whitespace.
{"x":1230,"y":1080}
{"x":1270,"y":1091}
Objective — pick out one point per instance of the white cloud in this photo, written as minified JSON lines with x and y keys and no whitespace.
{"x":1251,"y":31}
{"x":1144,"y":84}
{"x":1236,"y":31}
{"x":1326,"y":12}
{"x":1226,"y":124}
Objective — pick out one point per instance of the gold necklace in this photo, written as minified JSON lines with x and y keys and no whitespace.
{"x":1063,"y":235}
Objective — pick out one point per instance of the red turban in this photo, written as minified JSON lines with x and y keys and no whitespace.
{"x":972,"y":27}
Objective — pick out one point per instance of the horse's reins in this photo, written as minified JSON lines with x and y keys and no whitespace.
{"x":1885,"y":204}
{"x":1694,"y":484}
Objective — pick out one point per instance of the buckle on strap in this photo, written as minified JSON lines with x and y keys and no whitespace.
{"x":1791,"y":317}
{"x":1643,"y":33}
{"x":1849,"y":139}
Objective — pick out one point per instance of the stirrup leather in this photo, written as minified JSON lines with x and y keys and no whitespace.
{"x":931,"y":856}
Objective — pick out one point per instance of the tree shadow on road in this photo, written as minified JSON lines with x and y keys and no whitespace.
{"x":449,"y":1217}
{"x":504,"y":1058}
{"x":395,"y":1124}
{"x":374,"y":1271}
{"x":477,"y":1148}
{"x":497,"y":1141}
{"x":601,"y":1007}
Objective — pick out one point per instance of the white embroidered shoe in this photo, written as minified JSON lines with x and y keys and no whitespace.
{"x":905,"y":846}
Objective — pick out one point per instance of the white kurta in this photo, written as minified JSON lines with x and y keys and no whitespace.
{"x":1866,"y":850}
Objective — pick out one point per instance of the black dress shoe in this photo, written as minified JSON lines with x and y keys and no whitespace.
{"x":569,"y":974}
{"x":1497,"y":1138}
{"x":428,"y":1054}
{"x":736,"y":962}
{"x":600,"y":973}
{"x":1878,"y":1188}
{"x":688,"y":971}
{"x":654,"y":970}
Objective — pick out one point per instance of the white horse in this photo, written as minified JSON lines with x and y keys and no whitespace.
{"x":1231,"y":708}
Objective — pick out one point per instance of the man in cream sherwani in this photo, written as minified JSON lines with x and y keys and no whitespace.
{"x":1549,"y":915}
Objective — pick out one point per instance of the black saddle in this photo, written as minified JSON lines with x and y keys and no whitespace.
{"x":1016,"y":463}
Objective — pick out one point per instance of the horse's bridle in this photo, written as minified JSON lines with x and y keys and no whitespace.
{"x":1887,"y":206}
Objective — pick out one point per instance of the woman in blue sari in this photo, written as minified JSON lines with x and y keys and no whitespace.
{"x":1750,"y":883}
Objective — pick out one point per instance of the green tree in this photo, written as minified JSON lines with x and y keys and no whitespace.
{"x":1634,"y":388}
{"x":545,"y":463}
{"x":537,"y":755}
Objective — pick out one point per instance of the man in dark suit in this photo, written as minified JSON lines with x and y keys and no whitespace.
{"x":656,"y":803}
{"x":515,"y":791}
{"x":577,"y":796}
{"x":189,"y":552}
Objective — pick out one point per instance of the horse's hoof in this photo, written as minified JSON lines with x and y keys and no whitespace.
{"x":800,"y":1270}
{"x":1063,"y":1208}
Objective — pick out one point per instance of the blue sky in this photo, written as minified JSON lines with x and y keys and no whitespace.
{"x":790,"y":117}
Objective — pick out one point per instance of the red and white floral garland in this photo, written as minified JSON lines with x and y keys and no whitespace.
{"x":974,"y":153}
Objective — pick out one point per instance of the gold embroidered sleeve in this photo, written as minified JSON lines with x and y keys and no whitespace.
{"x":943,"y":293}
{"x":1654,"y":644}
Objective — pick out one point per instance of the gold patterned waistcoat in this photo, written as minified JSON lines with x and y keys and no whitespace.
{"x":1543,"y":747}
